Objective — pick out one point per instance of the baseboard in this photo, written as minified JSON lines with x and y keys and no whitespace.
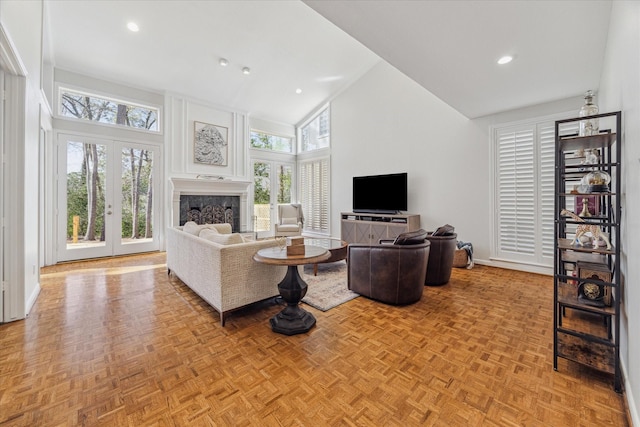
{"x":510,"y":265}
{"x":632,"y":411}
{"x":32,"y":299}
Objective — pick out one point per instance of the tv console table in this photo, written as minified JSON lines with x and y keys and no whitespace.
{"x":368,"y":228}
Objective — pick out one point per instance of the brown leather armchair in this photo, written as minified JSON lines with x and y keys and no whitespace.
{"x":390,"y":273}
{"x":441,"y":258}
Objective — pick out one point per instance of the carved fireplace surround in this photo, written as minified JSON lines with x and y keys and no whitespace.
{"x":209,"y":187}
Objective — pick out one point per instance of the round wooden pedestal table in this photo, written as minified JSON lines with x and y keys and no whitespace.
{"x":293,"y":319}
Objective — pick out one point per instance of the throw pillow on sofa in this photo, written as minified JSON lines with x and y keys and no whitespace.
{"x":221,"y":239}
{"x":195,"y":229}
{"x":191,"y":228}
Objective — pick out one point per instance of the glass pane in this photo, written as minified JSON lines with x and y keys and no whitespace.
{"x":271,"y":142}
{"x":137,"y":195}
{"x":315,"y":135}
{"x":262,"y":196}
{"x":103,"y":110}
{"x":86,"y":180}
{"x":284,"y":183}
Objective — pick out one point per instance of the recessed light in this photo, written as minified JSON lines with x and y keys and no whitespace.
{"x":505,"y":59}
{"x":223,"y":62}
{"x":246,"y":70}
{"x":132,"y":26}
{"x":298,"y":91}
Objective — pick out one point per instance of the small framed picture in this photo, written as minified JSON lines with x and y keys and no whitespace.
{"x":210,"y":144}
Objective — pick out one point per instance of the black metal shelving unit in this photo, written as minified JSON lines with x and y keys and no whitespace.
{"x":587,"y":285}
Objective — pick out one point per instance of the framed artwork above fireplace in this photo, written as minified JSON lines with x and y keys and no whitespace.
{"x":210,"y":144}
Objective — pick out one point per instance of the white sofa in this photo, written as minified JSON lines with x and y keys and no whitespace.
{"x":224,"y":275}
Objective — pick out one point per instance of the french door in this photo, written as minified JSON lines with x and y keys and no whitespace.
{"x":272,"y":185}
{"x":106,"y":192}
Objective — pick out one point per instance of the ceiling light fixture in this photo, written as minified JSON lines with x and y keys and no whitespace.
{"x":298,"y":91}
{"x":246,"y":71}
{"x":505,"y":59}
{"x":223,"y":62}
{"x":132,"y":26}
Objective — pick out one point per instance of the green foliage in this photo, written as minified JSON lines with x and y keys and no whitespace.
{"x":262,"y":185}
{"x":284,"y":189}
{"x":270,"y":142}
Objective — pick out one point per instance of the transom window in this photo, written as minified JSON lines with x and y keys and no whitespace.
{"x":266,"y":141}
{"x":85,"y":106}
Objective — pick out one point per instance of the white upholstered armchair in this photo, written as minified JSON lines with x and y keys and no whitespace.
{"x":290,"y":220}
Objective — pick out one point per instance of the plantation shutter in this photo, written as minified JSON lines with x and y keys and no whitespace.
{"x":546,"y":136}
{"x":516,"y":193}
{"x":314,"y":194}
{"x":525,"y":191}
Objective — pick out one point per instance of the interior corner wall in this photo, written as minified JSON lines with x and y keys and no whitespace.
{"x":387,"y":123}
{"x":620,"y":90}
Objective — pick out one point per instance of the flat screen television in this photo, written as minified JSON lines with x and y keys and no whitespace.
{"x":380,"y":193}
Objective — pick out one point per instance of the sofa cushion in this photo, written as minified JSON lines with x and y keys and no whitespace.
{"x":289,"y":227}
{"x":224,"y":228}
{"x":411,"y":238}
{"x":289,"y":221}
{"x":222,"y":239}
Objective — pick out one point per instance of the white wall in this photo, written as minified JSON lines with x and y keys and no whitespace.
{"x":22,"y":23}
{"x":620,"y":90}
{"x":386,"y":123}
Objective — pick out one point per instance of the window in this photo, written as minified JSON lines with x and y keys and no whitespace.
{"x":524,"y":198}
{"x":271,"y":142}
{"x":85,"y":106}
{"x":314,"y":135}
{"x":314,"y":194}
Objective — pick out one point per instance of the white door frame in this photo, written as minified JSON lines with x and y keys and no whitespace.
{"x":113,"y":244}
{"x":12,"y":301}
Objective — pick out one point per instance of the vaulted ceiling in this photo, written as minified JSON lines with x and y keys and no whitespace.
{"x":321,"y":47}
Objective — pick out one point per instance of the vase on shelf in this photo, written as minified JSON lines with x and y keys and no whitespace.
{"x":591,"y":126}
{"x":596,"y":182}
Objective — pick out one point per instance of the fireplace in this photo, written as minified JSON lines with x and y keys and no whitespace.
{"x":210,"y":201}
{"x":209,"y":209}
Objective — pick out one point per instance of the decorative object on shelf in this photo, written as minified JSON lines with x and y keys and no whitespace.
{"x":593,"y":292}
{"x":596,"y":181}
{"x":210,"y":144}
{"x":591,"y":126}
{"x":584,"y":228}
{"x":592,"y":202}
{"x":585,"y":208}
{"x":603,"y":239}
{"x":219,"y":178}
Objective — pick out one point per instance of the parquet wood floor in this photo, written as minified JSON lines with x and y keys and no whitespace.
{"x":119,"y":343}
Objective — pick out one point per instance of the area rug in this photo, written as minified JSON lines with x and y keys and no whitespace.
{"x":329,"y":288}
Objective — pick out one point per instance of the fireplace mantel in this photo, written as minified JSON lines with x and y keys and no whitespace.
{"x":213,"y":187}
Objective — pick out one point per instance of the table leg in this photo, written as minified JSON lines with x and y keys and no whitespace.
{"x":293,"y":319}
